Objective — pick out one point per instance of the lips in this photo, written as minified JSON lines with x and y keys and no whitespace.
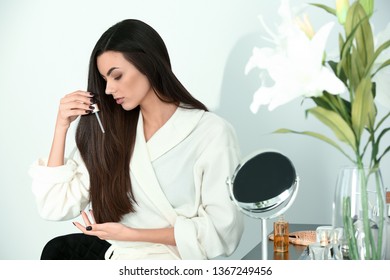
{"x":119,"y":100}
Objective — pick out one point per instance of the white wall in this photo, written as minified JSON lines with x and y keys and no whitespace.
{"x":44,"y":52}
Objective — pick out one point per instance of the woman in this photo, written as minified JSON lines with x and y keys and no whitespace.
{"x":156,"y":178}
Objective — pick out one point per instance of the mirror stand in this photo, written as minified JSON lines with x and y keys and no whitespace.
{"x":265,"y":217}
{"x":264,"y":247}
{"x":264,"y":186}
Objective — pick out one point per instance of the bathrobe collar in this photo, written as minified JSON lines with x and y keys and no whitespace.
{"x":175,"y":130}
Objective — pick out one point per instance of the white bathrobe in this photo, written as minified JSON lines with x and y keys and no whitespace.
{"x":179,"y":180}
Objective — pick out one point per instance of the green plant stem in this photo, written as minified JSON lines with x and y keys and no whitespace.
{"x":366,"y":221}
{"x":349,"y":228}
{"x":373,"y":250}
{"x":381,"y":214}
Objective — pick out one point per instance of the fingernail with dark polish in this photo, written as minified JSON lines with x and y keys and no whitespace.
{"x":88,"y":228}
{"x":73,"y":223}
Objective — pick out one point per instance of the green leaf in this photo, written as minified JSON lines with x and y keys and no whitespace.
{"x":357,"y":69}
{"x":384,"y":153}
{"x":321,"y":102}
{"x":350,"y":24}
{"x":383,"y":133}
{"x":361,"y":107}
{"x":340,"y":65}
{"x":341,"y":75}
{"x":326,"y":8}
{"x":368,"y":6}
{"x":334,"y":103}
{"x":337,"y":124}
{"x":375,"y":146}
{"x":318,"y":136}
{"x":358,"y":35}
{"x":373,"y":89}
{"x":372,"y":113}
{"x":346,"y":61}
{"x":378,"y":51}
{"x":327,"y":101}
{"x":383,"y":65}
{"x":358,"y":50}
{"x":382,"y":120}
{"x":345,"y":55}
{"x":364,"y":37}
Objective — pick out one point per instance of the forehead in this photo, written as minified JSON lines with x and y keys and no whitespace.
{"x":110,"y":59}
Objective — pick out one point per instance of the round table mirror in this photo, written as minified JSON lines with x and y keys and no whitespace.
{"x":263,"y":186}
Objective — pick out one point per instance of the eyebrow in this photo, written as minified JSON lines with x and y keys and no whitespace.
{"x":110,"y":71}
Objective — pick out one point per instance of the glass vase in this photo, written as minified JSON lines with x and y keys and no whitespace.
{"x":359,"y":211}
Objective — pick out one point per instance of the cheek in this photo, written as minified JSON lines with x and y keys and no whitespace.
{"x":145,"y":85}
{"x":138,"y":84}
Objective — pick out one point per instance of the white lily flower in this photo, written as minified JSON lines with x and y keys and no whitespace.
{"x":295,"y":65}
{"x":381,"y":78}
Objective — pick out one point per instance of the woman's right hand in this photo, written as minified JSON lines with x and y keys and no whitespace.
{"x":73,"y":105}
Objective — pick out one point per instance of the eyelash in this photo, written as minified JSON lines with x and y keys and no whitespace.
{"x":118,"y":78}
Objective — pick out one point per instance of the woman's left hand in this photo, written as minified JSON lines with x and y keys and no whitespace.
{"x":105,"y":231}
{"x":120,"y":232}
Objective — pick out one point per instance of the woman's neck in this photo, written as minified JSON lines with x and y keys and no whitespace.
{"x":155,"y":114}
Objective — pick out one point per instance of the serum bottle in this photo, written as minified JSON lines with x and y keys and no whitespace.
{"x":317,"y":250}
{"x":281,"y":235}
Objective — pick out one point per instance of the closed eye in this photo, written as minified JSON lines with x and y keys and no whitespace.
{"x":118,"y":77}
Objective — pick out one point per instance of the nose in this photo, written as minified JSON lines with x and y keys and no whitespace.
{"x":109,"y":90}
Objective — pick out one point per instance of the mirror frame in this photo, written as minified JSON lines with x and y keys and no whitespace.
{"x":267,"y":209}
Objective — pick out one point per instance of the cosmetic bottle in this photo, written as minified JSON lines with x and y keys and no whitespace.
{"x":333,"y":251}
{"x":317,"y":250}
{"x":281,"y":235}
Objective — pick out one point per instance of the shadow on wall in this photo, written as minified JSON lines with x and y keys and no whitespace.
{"x":254,"y":130}
{"x":236,"y":93}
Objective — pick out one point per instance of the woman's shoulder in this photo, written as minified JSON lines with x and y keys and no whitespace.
{"x":206,"y":124}
{"x":215,"y":126}
{"x":215,"y":133}
{"x":215,"y":121}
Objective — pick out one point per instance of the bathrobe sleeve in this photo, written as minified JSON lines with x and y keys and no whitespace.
{"x":61,"y":192}
{"x":218,"y":226}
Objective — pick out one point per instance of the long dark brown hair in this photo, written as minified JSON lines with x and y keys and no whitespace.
{"x":107,"y":156}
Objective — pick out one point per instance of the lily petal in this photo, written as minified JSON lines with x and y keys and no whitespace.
{"x":295,"y":65}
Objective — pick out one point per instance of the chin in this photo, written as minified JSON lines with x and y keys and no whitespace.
{"x":129,"y":107}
